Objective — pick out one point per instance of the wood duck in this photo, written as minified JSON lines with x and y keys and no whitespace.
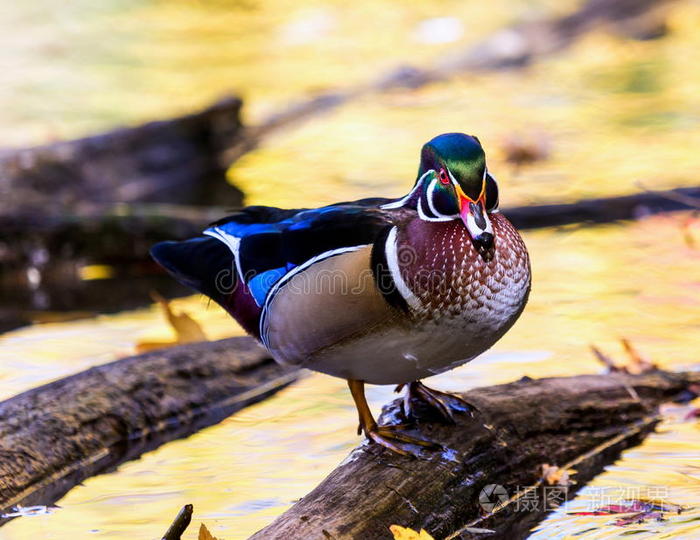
{"x":380,"y":291}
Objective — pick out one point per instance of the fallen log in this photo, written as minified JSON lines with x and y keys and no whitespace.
{"x":604,"y":210}
{"x":43,"y":261}
{"x":581,"y":422}
{"x":68,"y":204}
{"x":54,"y":436}
{"x":170,"y":161}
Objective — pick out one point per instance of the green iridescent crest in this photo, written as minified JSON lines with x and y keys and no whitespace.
{"x":461,"y":155}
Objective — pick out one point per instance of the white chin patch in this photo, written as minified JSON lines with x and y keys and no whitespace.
{"x":474,"y":229}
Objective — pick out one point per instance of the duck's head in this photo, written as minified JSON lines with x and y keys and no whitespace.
{"x":453,"y":183}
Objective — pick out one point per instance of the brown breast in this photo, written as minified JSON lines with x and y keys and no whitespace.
{"x":441,"y":265}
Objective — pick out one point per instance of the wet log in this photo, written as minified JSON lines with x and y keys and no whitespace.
{"x":581,"y":422}
{"x":104,"y":200}
{"x":54,"y":436}
{"x":179,"y":160}
{"x":43,"y":259}
{"x":604,"y":210}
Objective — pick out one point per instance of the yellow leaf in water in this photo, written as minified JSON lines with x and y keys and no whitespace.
{"x":204,"y":533}
{"x":406,"y":533}
{"x":186,"y":328}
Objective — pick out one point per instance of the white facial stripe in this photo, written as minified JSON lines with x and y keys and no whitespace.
{"x":429,"y":197}
{"x":454,"y":180}
{"x":391,"y":252}
{"x":401,"y":202}
{"x":498,"y":200}
{"x":422,"y":215}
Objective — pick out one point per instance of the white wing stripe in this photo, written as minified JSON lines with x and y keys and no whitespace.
{"x":289,"y":275}
{"x":404,"y":200}
{"x":233,"y":243}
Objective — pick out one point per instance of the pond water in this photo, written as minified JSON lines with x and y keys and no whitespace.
{"x":610,"y":113}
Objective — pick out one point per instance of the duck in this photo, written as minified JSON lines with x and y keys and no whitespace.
{"x":382,"y":291}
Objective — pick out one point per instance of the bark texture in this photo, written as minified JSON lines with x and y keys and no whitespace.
{"x":583,"y":422}
{"x":54,"y":436}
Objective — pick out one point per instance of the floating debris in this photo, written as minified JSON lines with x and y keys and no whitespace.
{"x":27,"y":511}
{"x":520,"y":149}
{"x":637,"y":364}
{"x":204,"y":533}
{"x":186,"y":329}
{"x":640,"y":510}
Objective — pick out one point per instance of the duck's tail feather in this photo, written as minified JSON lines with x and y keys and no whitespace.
{"x":203,"y":263}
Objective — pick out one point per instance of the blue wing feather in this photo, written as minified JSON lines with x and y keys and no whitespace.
{"x":268,"y":242}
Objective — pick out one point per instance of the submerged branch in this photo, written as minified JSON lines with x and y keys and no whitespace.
{"x":179,"y":524}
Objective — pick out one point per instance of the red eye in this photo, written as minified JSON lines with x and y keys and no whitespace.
{"x":443,"y":177}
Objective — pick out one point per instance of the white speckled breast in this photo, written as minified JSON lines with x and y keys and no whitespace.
{"x":468,"y":300}
{"x":454,"y":281}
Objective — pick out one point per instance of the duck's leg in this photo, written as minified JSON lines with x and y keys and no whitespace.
{"x":442,"y":403}
{"x":387,"y":436}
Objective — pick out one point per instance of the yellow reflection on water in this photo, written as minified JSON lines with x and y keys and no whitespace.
{"x":85,"y":65}
{"x":622,"y":113}
{"x":43,"y":352}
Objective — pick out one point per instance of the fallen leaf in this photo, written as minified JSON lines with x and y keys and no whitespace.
{"x":522,"y":149}
{"x":639,"y":509}
{"x":553,"y":475}
{"x":187,"y":330}
{"x":636,"y":365}
{"x":204,"y":533}
{"x":641,"y":517}
{"x":406,"y":533}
